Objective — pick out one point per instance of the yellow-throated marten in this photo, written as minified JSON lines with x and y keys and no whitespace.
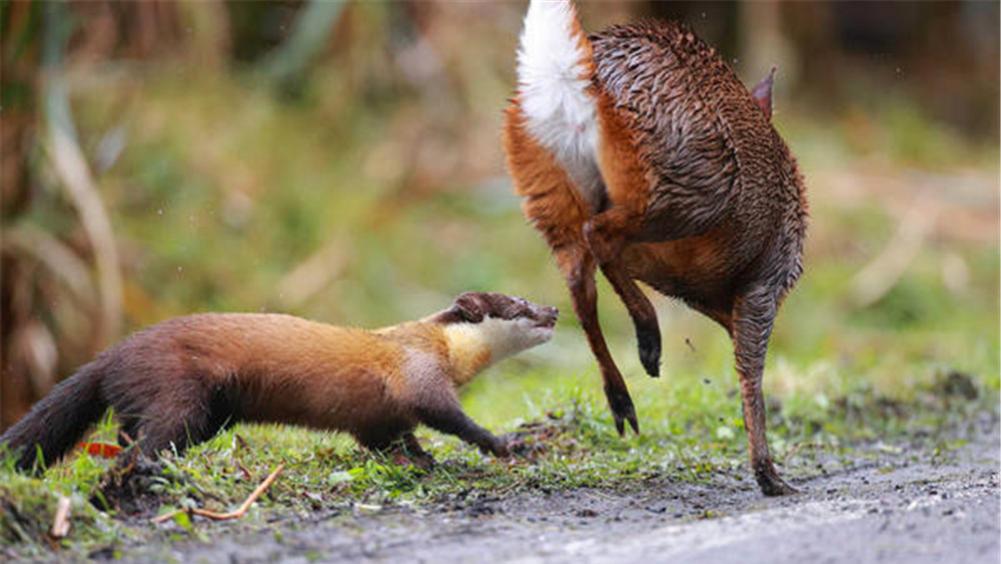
{"x":179,"y":382}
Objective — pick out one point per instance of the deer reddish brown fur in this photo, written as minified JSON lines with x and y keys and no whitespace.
{"x":638,"y":151}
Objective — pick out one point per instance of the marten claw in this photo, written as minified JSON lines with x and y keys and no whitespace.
{"x":499,"y":448}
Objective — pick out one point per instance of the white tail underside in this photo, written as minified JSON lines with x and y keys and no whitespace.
{"x":560,"y":113}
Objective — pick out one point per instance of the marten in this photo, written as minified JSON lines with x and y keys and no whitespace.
{"x":178,"y":383}
{"x":638,"y":151}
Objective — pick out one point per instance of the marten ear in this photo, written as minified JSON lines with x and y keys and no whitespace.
{"x":762,"y":93}
{"x":469,"y":307}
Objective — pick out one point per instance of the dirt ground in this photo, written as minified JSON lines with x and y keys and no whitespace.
{"x":885,"y":503}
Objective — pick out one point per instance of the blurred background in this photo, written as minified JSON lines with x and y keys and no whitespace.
{"x":341,"y":161}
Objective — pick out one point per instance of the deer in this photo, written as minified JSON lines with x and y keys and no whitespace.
{"x":636,"y":150}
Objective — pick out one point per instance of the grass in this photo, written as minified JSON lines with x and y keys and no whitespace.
{"x":691,"y":432}
{"x":216,"y":222}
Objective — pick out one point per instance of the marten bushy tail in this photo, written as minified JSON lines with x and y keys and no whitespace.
{"x":58,"y":420}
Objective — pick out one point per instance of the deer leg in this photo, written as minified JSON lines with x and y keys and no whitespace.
{"x":578,"y":267}
{"x":606,"y":235}
{"x":751,"y":326}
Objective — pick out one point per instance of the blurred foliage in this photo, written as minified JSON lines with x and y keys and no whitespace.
{"x":368,"y":187}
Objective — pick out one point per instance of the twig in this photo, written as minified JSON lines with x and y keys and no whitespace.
{"x":797,"y":447}
{"x":67,"y":267}
{"x":129,"y":441}
{"x":241,"y":444}
{"x":240,"y":511}
{"x":246,"y":473}
{"x":166,"y":516}
{"x":246,"y":504}
{"x":312,"y":275}
{"x":510,"y":487}
{"x":72,"y":169}
{"x":883,"y":272}
{"x":61,"y":522}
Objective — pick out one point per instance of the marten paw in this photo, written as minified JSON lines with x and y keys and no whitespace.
{"x":424,"y":461}
{"x":517,"y":445}
{"x":496,"y":446}
{"x":501,"y":449}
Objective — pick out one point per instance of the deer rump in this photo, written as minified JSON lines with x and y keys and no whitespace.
{"x":638,"y":151}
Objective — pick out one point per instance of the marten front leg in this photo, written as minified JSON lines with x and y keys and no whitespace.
{"x":443,"y":413}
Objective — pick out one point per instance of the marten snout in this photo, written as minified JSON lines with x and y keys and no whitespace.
{"x":546,"y":317}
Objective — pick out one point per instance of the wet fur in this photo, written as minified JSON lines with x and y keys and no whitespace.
{"x":701,"y":198}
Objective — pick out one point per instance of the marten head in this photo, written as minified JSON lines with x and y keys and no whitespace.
{"x":485,"y":327}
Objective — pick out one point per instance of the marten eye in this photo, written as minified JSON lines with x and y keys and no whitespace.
{"x":468,"y":308}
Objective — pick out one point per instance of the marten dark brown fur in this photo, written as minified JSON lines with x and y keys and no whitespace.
{"x":179,"y":382}
{"x":638,"y":151}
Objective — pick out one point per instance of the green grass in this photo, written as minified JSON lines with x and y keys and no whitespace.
{"x":692,"y":432}
{"x":215,"y":202}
